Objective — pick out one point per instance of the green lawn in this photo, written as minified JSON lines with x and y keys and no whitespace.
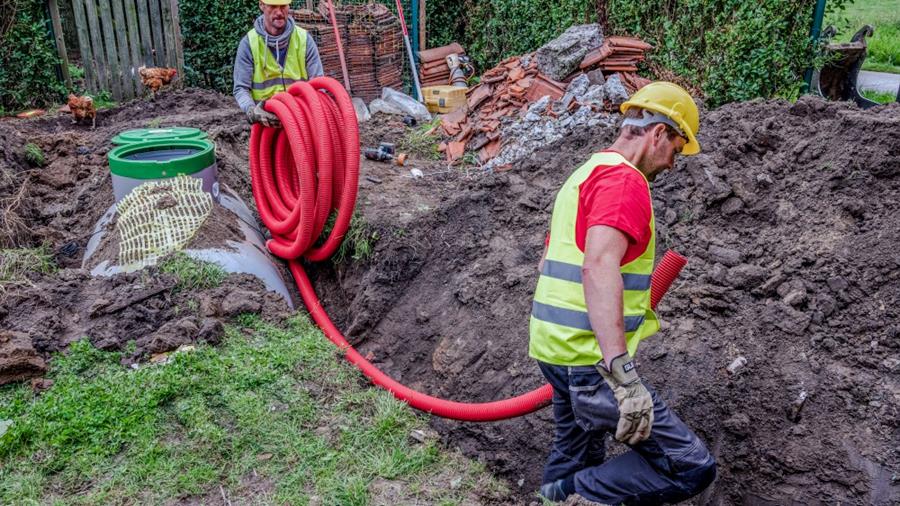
{"x":884,"y":45}
{"x":272,"y":416}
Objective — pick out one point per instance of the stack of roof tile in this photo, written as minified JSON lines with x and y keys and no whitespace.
{"x":505,"y":90}
{"x":433,"y":69}
{"x":617,"y":54}
{"x":373,"y":45}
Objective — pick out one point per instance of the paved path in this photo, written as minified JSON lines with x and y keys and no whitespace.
{"x":878,"y":81}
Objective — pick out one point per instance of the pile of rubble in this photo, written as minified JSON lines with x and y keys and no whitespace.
{"x":585,"y":105}
{"x":372,"y":41}
{"x":523,"y":103}
{"x":504,"y":91}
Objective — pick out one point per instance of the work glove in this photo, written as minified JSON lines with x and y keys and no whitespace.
{"x":635,"y":402}
{"x":258,"y":114}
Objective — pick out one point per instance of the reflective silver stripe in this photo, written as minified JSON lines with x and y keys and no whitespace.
{"x":273,"y":82}
{"x":575,"y":319}
{"x":560,"y":316}
{"x":636,"y":281}
{"x":632,"y":323}
{"x":562,"y":270}
{"x":571,"y":272}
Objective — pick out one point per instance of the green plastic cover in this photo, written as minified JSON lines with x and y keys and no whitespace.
{"x":161,"y":159}
{"x":158,"y":134}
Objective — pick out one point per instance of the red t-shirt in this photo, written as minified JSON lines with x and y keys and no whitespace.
{"x":615,"y":196}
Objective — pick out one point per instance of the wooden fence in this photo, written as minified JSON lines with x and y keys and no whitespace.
{"x":115,"y":37}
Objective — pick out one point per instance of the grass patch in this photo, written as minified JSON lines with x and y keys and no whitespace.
{"x":422,"y":141}
{"x":104,"y":100}
{"x":34,"y":155}
{"x":359,"y":241}
{"x":270,"y":417}
{"x":16,"y":263}
{"x":884,"y":45}
{"x":880,"y":97}
{"x":192,"y":274}
{"x":155,"y":122}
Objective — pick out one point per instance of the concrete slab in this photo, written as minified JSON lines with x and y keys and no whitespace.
{"x":878,"y":81}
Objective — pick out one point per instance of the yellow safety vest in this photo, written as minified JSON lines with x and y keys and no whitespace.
{"x":269,"y":77}
{"x":560,"y":330}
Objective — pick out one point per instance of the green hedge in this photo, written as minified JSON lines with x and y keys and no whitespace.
{"x":492,"y":30}
{"x":731,"y":49}
{"x":211,"y":34}
{"x":28,"y":61}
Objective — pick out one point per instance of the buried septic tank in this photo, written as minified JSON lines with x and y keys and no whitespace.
{"x":134,"y":164}
{"x":168,"y":199}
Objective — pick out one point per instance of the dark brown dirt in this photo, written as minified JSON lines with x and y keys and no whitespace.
{"x":789,"y":218}
{"x":144,"y":307}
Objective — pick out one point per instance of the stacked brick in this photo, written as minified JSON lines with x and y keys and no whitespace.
{"x":373,"y":46}
{"x":504,"y":91}
{"x":433,"y":69}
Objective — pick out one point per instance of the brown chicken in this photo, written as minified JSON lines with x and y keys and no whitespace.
{"x":82,"y":108}
{"x":155,"y":78}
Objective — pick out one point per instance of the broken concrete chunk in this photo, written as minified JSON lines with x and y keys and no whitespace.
{"x":615,"y":91}
{"x":577,"y":88}
{"x":18,"y":359}
{"x":562,"y":55}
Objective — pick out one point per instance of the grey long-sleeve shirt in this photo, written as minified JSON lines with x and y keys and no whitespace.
{"x":243,"y":69}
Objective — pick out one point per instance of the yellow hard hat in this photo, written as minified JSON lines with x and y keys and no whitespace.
{"x":674,"y":102}
{"x":276,"y":2}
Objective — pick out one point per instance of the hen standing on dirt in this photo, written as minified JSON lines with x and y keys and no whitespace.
{"x":82,"y":108}
{"x":592,"y":307}
{"x":274,"y":54}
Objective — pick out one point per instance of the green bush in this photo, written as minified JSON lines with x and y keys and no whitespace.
{"x":211,"y":37}
{"x":731,"y":49}
{"x":492,"y":30}
{"x":28,"y":60}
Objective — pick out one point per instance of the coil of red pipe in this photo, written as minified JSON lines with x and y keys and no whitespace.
{"x":308,"y":169}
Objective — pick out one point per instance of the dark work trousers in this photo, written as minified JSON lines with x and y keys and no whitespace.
{"x":670,"y":466}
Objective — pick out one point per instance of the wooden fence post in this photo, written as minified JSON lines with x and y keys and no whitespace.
{"x":60,"y":42}
{"x":91,"y":78}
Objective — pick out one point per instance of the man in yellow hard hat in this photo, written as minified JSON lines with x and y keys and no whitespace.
{"x":591,"y":309}
{"x":274,"y":54}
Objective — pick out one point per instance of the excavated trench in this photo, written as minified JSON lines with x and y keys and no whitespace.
{"x":789,"y":218}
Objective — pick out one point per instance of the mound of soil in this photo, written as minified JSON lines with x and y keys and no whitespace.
{"x":788,"y":218}
{"x":145,"y":307}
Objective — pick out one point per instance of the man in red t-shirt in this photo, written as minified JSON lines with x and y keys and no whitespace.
{"x":592,"y":308}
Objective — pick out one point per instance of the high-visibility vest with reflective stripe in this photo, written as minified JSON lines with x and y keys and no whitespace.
{"x":560,"y":330}
{"x":268,"y":76}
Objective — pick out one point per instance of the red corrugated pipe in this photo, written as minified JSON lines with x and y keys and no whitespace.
{"x":309,"y":168}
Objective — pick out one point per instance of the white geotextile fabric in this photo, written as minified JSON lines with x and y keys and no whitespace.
{"x":158,"y":218}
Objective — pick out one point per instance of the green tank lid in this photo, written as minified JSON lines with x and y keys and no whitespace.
{"x":158,"y":134}
{"x":161,"y":159}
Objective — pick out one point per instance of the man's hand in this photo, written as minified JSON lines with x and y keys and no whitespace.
{"x":258,"y":114}
{"x":635,"y":402}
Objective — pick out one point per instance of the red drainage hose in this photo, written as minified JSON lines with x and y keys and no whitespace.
{"x":309,"y":168}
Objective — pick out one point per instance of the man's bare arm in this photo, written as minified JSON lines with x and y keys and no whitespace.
{"x":602,"y":282}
